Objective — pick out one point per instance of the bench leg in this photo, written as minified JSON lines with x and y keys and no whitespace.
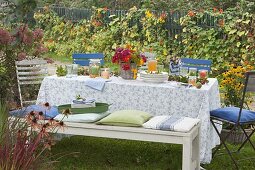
{"x":187,"y":155}
{"x":191,"y":154}
{"x":196,"y":152}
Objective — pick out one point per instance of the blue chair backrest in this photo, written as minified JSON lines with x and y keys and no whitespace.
{"x":196,"y":63}
{"x":83,"y":58}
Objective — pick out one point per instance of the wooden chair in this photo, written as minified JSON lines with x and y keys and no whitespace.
{"x":83,"y":59}
{"x":30,"y":73}
{"x":196,"y":63}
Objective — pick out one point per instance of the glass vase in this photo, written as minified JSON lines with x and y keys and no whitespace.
{"x":128,"y":71}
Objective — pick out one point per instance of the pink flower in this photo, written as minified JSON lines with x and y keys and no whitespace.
{"x":22,"y":56}
{"x":40,"y":49}
{"x":38,"y":34}
{"x":27,"y":38}
{"x":5,"y":37}
{"x":25,"y":35}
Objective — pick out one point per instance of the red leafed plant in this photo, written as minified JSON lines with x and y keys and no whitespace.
{"x":22,"y":141}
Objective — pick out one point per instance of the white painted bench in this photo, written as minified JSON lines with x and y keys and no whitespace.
{"x":189,"y":140}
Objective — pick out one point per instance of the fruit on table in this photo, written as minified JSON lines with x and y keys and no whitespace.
{"x":203,"y":74}
{"x":198,"y":85}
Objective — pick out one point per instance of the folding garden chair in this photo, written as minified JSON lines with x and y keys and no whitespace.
{"x":196,"y":63}
{"x":83,"y":58}
{"x":237,"y":117}
{"x":30,"y":74}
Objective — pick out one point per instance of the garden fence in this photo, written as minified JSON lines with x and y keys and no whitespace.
{"x":172,"y":21}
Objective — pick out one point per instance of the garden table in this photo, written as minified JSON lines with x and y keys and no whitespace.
{"x":158,"y":99}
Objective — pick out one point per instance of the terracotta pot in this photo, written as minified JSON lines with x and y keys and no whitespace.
{"x":236,"y":137}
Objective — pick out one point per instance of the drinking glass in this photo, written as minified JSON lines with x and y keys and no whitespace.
{"x":75,"y":68}
{"x":184,"y":71}
{"x":192,"y":80}
{"x":69,"y":69}
{"x":152,"y":65}
{"x":105,"y":73}
{"x":193,"y":72}
{"x":160,"y":68}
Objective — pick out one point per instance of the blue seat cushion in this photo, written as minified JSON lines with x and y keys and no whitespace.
{"x":48,"y":113}
{"x":231,"y":114}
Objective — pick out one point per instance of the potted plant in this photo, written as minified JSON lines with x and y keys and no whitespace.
{"x":231,"y":86}
{"x":128,"y":60}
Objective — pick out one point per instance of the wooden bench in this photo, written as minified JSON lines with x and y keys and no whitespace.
{"x":189,"y":140}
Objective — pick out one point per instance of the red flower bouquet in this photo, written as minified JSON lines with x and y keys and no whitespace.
{"x":128,"y":60}
{"x":127,"y":56}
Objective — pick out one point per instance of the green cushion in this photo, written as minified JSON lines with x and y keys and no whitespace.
{"x":126,"y":118}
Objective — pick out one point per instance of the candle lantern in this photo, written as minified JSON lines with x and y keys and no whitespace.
{"x":94,"y":68}
{"x":105,"y":73}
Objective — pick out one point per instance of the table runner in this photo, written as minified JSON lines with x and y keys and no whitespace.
{"x":157,"y":99}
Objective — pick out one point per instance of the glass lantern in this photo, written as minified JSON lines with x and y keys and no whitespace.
{"x":193,"y":72}
{"x":94,"y":68}
{"x":69,"y":69}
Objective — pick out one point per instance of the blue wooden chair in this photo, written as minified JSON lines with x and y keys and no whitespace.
{"x":238,"y":117}
{"x":83,"y":58}
{"x":196,"y":63}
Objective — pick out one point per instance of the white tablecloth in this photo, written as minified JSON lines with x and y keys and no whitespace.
{"x":157,"y":99}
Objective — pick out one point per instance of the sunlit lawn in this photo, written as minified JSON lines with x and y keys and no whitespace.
{"x":101,"y":153}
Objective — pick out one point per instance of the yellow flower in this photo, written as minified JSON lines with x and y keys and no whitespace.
{"x":148,"y":14}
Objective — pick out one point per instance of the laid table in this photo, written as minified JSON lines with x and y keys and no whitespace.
{"x":155,"y":98}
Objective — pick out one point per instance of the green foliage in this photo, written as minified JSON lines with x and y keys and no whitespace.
{"x":61,"y":71}
{"x":165,"y":5}
{"x":230,"y":42}
{"x":139,"y":28}
{"x":18,"y":11}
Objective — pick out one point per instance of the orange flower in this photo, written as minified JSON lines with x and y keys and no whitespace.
{"x":128,"y":46}
{"x":221,"y":10}
{"x":191,"y":13}
{"x":215,"y":9}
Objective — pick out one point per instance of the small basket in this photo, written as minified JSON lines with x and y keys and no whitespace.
{"x":100,"y":108}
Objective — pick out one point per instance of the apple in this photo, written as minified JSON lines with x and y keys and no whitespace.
{"x":203,"y":74}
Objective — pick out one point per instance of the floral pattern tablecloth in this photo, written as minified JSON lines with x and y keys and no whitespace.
{"x":158,"y":99}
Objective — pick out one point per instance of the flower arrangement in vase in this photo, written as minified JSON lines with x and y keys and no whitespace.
{"x":128,"y":60}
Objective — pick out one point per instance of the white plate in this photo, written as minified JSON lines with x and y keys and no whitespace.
{"x":154,"y":80}
{"x":146,"y":75}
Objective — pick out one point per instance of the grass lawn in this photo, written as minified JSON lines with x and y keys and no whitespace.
{"x":55,"y":57}
{"x":101,"y":153}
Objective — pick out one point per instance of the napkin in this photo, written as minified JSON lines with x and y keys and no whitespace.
{"x":96,"y":83}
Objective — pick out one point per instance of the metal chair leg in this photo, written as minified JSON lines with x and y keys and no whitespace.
{"x":223,"y":143}
{"x":247,"y":139}
{"x":218,"y":147}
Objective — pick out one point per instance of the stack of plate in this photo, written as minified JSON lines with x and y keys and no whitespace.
{"x":154,"y":78}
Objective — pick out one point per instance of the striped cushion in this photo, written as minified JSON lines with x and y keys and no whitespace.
{"x":173,"y":123}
